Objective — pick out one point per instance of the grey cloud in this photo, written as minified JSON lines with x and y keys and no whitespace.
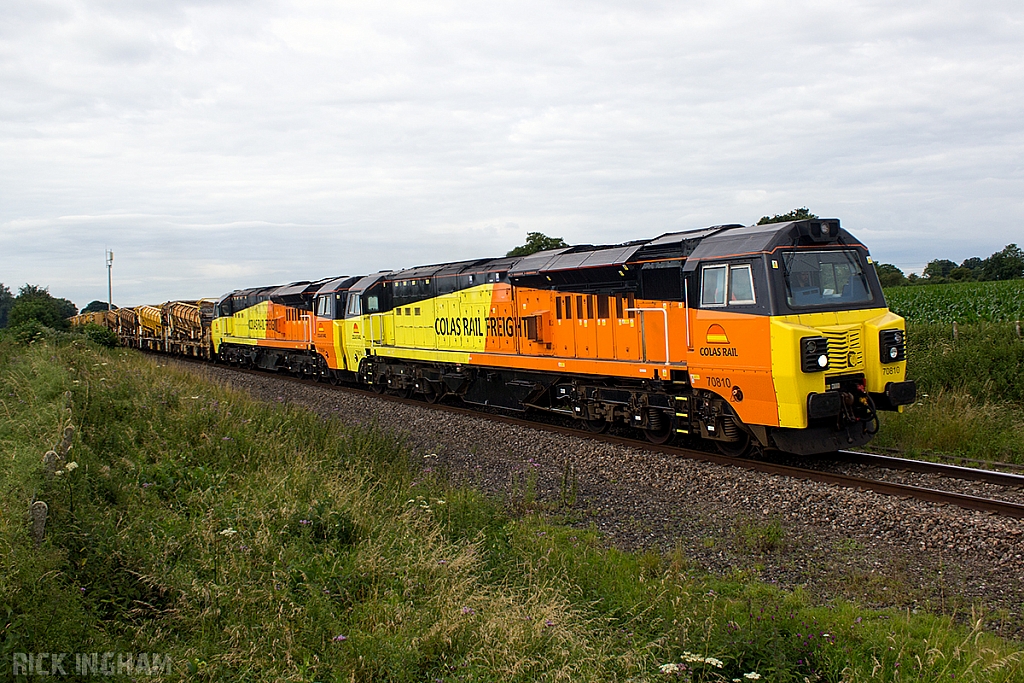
{"x":233,"y":144}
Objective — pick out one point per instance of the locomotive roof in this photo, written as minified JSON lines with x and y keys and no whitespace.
{"x":717,"y":241}
{"x":711,"y":242}
{"x":755,"y":239}
{"x":337,"y":284}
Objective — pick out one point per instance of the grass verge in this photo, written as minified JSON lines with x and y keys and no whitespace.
{"x":256,"y":542}
{"x":970,"y":393}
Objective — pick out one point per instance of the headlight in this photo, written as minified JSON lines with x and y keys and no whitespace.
{"x":813,"y":354}
{"x":892,"y":345}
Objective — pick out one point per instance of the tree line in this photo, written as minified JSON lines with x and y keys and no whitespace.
{"x":34,"y":304}
{"x":1007,"y":264}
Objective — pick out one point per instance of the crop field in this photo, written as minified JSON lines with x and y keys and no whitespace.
{"x":966,"y":302}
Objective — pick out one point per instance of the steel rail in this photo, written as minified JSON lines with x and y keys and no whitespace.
{"x":926,"y":467}
{"x":999,"y":507}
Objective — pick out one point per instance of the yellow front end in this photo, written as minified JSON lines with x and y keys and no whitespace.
{"x":853,"y":350}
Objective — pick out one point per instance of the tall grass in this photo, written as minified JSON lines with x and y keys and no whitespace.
{"x":258,"y":542}
{"x":955,"y":423}
{"x":984,"y":360}
{"x":970,"y":393}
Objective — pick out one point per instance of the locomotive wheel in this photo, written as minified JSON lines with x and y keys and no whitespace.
{"x":735,"y":449}
{"x":431,"y":395}
{"x":596,"y":426}
{"x":658,"y":437}
{"x":379,"y":387}
{"x":659,"y":430}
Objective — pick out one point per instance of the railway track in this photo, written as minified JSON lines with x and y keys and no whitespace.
{"x":991,"y":505}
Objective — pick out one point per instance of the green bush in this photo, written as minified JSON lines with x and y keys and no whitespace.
{"x":100,"y":335}
{"x":29,"y":331}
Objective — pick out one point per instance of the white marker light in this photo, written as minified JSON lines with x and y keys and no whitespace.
{"x":822,"y":361}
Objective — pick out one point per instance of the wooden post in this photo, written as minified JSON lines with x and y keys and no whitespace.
{"x":1018,"y":330}
{"x":50,"y":463}
{"x":39,"y":510}
{"x":956,"y":331}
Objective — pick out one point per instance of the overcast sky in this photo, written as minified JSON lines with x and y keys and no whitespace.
{"x":222,"y":144}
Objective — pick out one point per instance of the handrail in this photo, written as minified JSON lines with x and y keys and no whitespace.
{"x":686,"y":311}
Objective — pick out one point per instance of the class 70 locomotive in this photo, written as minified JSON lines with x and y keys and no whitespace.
{"x":767,"y":336}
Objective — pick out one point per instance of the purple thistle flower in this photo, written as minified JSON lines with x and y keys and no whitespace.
{"x":339,"y":638}
{"x":304,"y":522}
{"x":468,"y":610}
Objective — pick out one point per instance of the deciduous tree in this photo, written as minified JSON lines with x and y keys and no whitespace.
{"x":803,"y":213}
{"x":889,"y":275}
{"x":537,"y":241}
{"x":939,"y":269}
{"x":1007,"y":264}
{"x":6,"y":302}
{"x":36,"y":303}
{"x":96,"y":306}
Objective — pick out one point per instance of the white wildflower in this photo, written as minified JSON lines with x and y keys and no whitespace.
{"x":669,"y":668}
{"x":228,"y":532}
{"x":752,"y":676}
{"x":717,"y":663}
{"x":71,"y":466}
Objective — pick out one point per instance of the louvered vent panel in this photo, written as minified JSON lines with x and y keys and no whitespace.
{"x":845,"y":350}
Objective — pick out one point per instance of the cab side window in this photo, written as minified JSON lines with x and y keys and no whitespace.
{"x":712,"y":292}
{"x":323,"y":307}
{"x":354,"y":307}
{"x":727,"y":285}
{"x":741,"y":285}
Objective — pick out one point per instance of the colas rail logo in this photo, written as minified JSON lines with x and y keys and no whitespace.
{"x":719,"y":341}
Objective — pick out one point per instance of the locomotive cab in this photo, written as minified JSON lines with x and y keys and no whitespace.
{"x":838,"y":353}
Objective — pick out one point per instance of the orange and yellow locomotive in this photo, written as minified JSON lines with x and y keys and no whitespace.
{"x":770,"y":335}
